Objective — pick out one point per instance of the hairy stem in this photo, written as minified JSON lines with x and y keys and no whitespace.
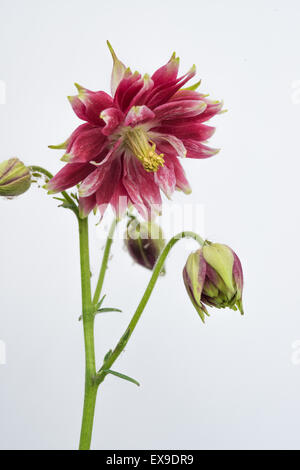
{"x":129,"y":330}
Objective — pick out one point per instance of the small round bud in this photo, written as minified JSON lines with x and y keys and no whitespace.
{"x":144,"y":242}
{"x":15,"y":178}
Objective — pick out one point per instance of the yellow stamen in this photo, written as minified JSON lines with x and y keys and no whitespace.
{"x":137,"y":141}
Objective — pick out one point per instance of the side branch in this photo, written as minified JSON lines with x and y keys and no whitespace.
{"x":112,"y":356}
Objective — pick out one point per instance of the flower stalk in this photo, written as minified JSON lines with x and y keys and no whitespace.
{"x":88,"y":318}
{"x":137,"y":315}
{"x":92,"y":378}
{"x":104,"y":261}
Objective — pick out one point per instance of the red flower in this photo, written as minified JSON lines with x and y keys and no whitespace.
{"x":128,"y":148}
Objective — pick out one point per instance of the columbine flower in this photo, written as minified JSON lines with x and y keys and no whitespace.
{"x":15,"y":178}
{"x":128,"y":149}
{"x":144,"y":242}
{"x":213,"y":276}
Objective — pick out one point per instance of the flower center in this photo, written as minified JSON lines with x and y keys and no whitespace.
{"x":137,"y":141}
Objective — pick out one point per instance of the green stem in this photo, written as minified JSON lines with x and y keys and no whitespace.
{"x":88,"y":327}
{"x":129,"y":330}
{"x":104,"y":261}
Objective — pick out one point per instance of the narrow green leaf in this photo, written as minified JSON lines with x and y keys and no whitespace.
{"x":122,"y":376}
{"x":74,"y":196}
{"x":108,"y":309}
{"x":100,"y":302}
{"x":59,"y":199}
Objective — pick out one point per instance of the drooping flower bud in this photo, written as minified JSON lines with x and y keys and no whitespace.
{"x":144,"y":241}
{"x":213,"y":276}
{"x":15,"y":178}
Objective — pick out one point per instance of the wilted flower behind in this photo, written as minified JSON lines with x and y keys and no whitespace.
{"x":144,"y":242}
{"x":15,"y":178}
{"x":129,"y":147}
{"x":213,"y":276}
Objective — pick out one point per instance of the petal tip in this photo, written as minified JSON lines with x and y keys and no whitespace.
{"x":61,"y":146}
{"x":111,"y":50}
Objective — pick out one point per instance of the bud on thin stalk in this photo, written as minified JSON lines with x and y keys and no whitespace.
{"x":213,"y":276}
{"x":144,"y":242}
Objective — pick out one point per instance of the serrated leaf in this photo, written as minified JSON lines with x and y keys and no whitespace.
{"x":122,"y":376}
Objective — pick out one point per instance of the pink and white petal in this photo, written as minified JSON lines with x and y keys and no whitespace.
{"x":189,"y":128}
{"x":118,"y":70}
{"x":86,"y":205}
{"x":127,"y":81}
{"x":138,"y":114}
{"x":70,"y":175}
{"x":165,"y":178}
{"x":182,"y":183}
{"x":196,"y":149}
{"x":85,"y":146}
{"x":91,"y":183}
{"x":120,"y":200}
{"x":176,"y":143}
{"x":102,"y":172}
{"x":95,"y":103}
{"x":144,"y":92}
{"x":180,"y":109}
{"x":69,"y":142}
{"x":107,"y":188}
{"x":110,"y":154}
{"x":112,"y":118}
{"x":130,"y":94}
{"x":167,"y":73}
{"x":78,"y":131}
{"x":141,"y":188}
{"x":212,"y":109}
{"x":185,"y":94}
{"x":78,"y":107}
{"x":89,"y":104}
{"x":163,"y":93}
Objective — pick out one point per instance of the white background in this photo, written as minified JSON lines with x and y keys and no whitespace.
{"x":230,"y":384}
